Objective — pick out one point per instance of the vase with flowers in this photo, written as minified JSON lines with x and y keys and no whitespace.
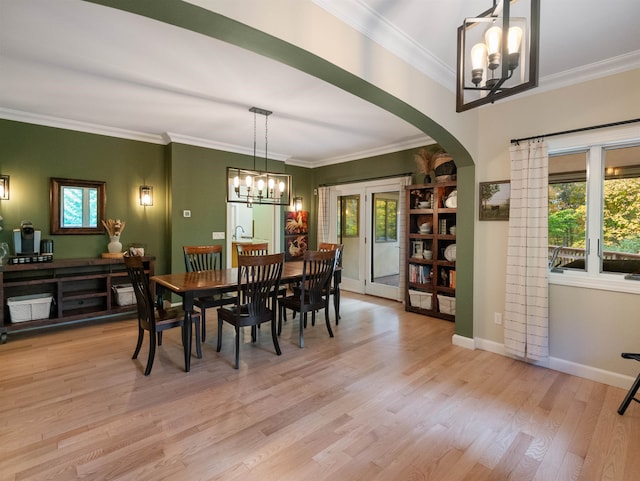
{"x":114,"y":229}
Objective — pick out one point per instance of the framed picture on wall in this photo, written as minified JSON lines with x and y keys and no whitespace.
{"x":296,"y":238}
{"x":494,"y":200}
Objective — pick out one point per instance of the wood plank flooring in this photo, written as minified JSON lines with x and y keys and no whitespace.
{"x":389,"y":398}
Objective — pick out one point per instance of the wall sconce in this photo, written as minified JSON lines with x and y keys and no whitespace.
{"x":4,"y":187}
{"x":146,"y":195}
{"x":297,"y":204}
{"x":493,"y":64}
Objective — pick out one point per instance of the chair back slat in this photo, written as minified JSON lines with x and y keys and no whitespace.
{"x":202,"y":258}
{"x":258,"y":280}
{"x":142,"y":291}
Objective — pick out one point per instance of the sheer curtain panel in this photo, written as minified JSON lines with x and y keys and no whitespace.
{"x":526,"y":316}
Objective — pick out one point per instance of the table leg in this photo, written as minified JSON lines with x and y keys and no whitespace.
{"x":187,"y":305}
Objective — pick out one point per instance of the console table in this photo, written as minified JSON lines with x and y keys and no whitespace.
{"x":81,"y":290}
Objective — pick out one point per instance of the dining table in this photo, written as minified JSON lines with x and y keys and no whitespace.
{"x":191,"y":285}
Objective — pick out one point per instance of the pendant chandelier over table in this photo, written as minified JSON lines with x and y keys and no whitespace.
{"x":258,"y":186}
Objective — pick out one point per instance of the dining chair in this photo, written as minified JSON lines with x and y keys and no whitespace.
{"x":257,"y":249}
{"x":334,"y":288}
{"x":150,"y":318}
{"x":258,"y":280}
{"x":312,"y":294}
{"x":634,"y":388}
{"x":206,"y":258}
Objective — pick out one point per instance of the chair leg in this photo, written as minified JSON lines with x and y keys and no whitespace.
{"x":219,"y":346}
{"x":237,"y":363}
{"x":203,"y":319}
{"x":326,"y":319}
{"x":313,"y":318}
{"x":303,"y":322}
{"x":630,"y":396}
{"x":160,"y":338}
{"x":198,"y":339}
{"x":152,"y":352}
{"x":274,"y":336}
{"x":336,"y":304}
{"x":139,"y":344}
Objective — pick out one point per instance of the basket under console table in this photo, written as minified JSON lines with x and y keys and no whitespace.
{"x":80,"y":288}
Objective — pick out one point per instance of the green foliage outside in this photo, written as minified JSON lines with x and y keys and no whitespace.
{"x":621,"y":223}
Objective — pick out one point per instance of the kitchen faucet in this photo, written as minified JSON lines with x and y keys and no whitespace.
{"x":235,"y":235}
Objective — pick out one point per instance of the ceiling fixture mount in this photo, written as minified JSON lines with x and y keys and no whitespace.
{"x":491,"y":65}
{"x":258,"y":186}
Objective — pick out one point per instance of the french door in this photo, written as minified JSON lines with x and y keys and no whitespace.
{"x":366,"y":218}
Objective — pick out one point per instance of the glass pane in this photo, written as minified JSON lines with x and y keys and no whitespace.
{"x":385,"y":265}
{"x":348,"y":234}
{"x":567,"y":210}
{"x":71,"y":215}
{"x":621,"y":210}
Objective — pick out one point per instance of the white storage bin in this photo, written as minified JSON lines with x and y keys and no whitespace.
{"x":124,"y":295}
{"x":420,"y":299}
{"x":447,"y":304}
{"x":29,"y":308}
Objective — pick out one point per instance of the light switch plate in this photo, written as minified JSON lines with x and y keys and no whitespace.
{"x":186,"y":213}
{"x":217,"y":235}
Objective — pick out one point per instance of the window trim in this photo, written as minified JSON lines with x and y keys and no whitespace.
{"x":599,"y":140}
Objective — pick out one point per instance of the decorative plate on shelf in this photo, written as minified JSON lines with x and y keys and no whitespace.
{"x":450,"y":253}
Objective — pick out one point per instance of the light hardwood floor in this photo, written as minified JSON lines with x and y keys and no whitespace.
{"x":389,"y":398}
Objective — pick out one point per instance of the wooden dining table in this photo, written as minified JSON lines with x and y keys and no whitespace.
{"x":191,"y":285}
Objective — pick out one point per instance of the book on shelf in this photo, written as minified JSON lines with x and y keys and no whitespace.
{"x":452,"y":278}
{"x":419,"y":274}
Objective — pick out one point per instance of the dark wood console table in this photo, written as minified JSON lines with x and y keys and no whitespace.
{"x":81,"y":290}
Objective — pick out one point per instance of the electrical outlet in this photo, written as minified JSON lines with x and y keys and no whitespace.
{"x":497,"y":317}
{"x":186,"y":213}
{"x":217,"y":235}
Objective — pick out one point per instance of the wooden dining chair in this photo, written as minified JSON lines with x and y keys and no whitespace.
{"x":634,"y":388}
{"x":257,"y":249}
{"x":206,"y":258}
{"x":312,"y":294}
{"x":334,"y":288}
{"x":150,"y":318}
{"x":258,"y":280}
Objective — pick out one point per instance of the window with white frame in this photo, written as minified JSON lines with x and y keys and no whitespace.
{"x":594,"y":208}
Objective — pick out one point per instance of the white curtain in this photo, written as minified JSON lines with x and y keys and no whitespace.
{"x":323,"y":214}
{"x":526,"y":315}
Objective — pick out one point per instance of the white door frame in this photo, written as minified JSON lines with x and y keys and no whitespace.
{"x":364,"y":284}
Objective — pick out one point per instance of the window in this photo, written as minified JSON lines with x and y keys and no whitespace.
{"x":386,"y":218}
{"x":349,"y":215}
{"x":594,"y":209}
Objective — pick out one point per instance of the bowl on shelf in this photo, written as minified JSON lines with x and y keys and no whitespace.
{"x":424,"y":204}
{"x":425,"y":228}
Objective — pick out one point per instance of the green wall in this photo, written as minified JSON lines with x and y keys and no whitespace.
{"x":32,"y":154}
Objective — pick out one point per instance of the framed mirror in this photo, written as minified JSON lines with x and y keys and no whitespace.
{"x":77,"y":206}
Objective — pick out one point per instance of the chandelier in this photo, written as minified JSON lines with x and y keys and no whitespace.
{"x":258,"y":186}
{"x":493,"y":65}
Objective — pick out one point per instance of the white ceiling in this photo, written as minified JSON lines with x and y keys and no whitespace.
{"x":82,"y":66}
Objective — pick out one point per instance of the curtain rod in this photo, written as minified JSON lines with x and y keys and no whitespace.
{"x":573,"y":131}
{"x":391,"y":176}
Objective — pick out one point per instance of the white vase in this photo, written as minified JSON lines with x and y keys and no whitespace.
{"x":114,"y":245}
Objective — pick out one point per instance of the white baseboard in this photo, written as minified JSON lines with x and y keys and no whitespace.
{"x":562,"y":365}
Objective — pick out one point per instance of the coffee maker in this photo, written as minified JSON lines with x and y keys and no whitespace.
{"x":26,"y":239}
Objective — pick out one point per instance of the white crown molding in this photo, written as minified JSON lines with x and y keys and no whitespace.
{"x":361,"y":18}
{"x":60,"y":123}
{"x":413,"y":142}
{"x":211,"y":144}
{"x":611,"y":66}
